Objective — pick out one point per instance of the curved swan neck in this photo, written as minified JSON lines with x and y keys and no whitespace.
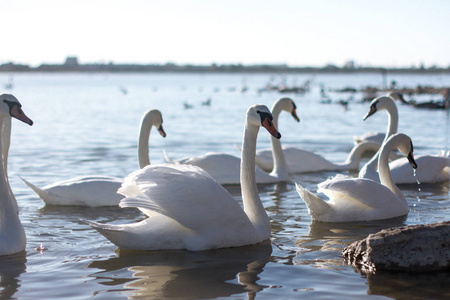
{"x":392,"y":112}
{"x":384,"y":171}
{"x":280,"y":168}
{"x":354,"y":157}
{"x":250,"y":197}
{"x":143,"y":143}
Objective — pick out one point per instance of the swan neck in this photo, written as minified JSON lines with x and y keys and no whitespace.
{"x":280,"y":168}
{"x":250,"y":197}
{"x":355,"y":155}
{"x":8,"y":207}
{"x":143,"y":143}
{"x":384,"y":171}
{"x":392,"y":121}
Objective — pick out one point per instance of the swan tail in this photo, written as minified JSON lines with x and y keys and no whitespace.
{"x":316,"y":206}
{"x":166,"y":158}
{"x":40,"y":192}
{"x":116,"y":234}
{"x":101,"y":227}
{"x":145,"y":205}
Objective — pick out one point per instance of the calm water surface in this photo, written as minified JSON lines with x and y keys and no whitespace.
{"x":85,"y":125}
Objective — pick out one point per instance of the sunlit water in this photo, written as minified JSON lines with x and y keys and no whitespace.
{"x":85,"y":125}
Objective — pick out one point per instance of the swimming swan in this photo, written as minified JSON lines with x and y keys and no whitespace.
{"x":369,"y":170}
{"x":431,"y":169}
{"x":356,"y":199}
{"x":188,"y":209}
{"x":12,"y":234}
{"x":225,"y":168}
{"x":99,"y":190}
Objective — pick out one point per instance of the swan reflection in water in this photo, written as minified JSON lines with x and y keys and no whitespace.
{"x":185,"y":274}
{"x":329,"y":238}
{"x":11,"y":267}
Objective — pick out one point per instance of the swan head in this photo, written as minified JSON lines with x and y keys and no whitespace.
{"x":260,"y":115}
{"x":10,"y":106}
{"x":405,"y":146}
{"x":154,"y":117}
{"x":379,"y":103}
{"x":397,"y":96}
{"x":288,"y":105}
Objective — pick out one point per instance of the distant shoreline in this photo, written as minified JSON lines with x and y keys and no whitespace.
{"x":174,"y":68}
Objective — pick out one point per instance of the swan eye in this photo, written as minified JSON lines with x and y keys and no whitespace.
{"x":11,"y":104}
{"x":264,"y":115}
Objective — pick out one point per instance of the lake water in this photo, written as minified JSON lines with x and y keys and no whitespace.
{"x":85,"y":125}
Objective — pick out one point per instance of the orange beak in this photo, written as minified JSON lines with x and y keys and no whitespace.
{"x":270,"y":128}
{"x":17,"y":113}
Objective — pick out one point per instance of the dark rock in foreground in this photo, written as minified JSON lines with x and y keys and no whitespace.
{"x":415,"y":248}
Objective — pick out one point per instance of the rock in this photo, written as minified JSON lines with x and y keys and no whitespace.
{"x":415,"y":248}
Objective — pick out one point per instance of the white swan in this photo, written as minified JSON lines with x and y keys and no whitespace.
{"x":188,"y":209}
{"x":356,"y":199}
{"x":369,"y":170}
{"x":225,"y":168}
{"x":431,"y":169}
{"x":381,"y":103}
{"x":95,"y":191}
{"x":12,"y":234}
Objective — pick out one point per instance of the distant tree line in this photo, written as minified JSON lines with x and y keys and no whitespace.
{"x":213,"y":68}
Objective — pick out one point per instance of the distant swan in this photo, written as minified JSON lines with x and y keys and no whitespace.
{"x":12,"y":234}
{"x":99,"y":190}
{"x":356,"y":199}
{"x":188,"y":209}
{"x":381,"y":103}
{"x":225,"y":168}
{"x":369,"y":170}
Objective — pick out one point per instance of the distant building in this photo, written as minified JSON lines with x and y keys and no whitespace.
{"x":71,"y":61}
{"x":350,"y":65}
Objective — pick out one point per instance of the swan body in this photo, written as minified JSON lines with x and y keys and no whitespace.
{"x":359,"y":199}
{"x":431,"y":169}
{"x":187,"y":209}
{"x":12,"y":234}
{"x":93,"y":191}
{"x":302,"y":161}
{"x":369,"y":170}
{"x":225,"y":168}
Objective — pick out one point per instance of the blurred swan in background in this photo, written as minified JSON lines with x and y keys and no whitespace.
{"x":369,"y":170}
{"x":381,"y":103}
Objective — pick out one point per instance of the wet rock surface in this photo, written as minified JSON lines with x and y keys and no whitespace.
{"x":415,"y":248}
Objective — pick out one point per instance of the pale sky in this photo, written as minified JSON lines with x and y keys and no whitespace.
{"x":391,"y":33}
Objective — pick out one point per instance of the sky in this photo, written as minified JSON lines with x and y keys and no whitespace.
{"x":388,"y":33}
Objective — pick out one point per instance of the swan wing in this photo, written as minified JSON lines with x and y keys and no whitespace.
{"x":357,"y":191}
{"x":430,"y":169}
{"x":185,"y":193}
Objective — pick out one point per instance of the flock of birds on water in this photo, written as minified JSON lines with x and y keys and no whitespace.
{"x":187,"y":206}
